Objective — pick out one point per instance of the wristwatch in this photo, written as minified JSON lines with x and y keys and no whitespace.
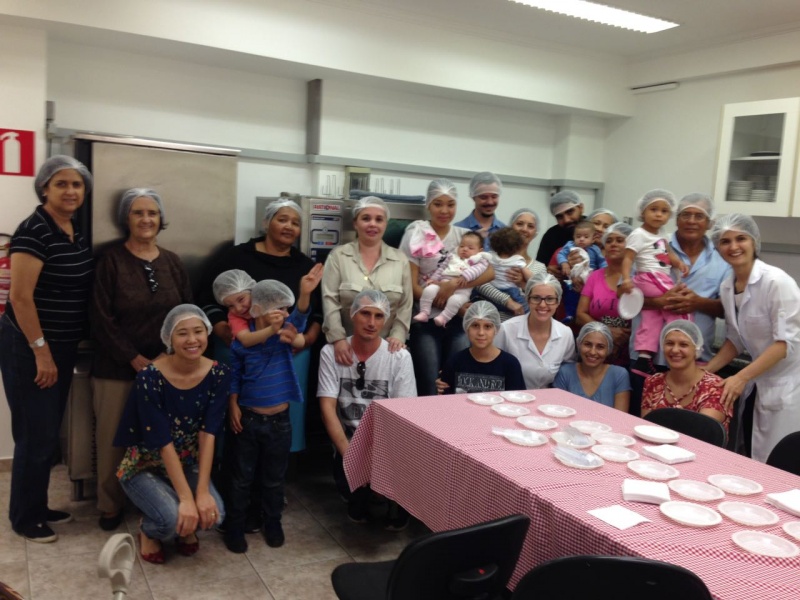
{"x":38,"y":343}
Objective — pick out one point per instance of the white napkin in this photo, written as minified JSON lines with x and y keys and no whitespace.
{"x":788,"y":501}
{"x":652,"y":492}
{"x":666,"y":453}
{"x":618,"y":516}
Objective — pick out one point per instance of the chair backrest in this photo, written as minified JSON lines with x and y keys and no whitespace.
{"x":474,"y":562}
{"x":786,"y":454}
{"x":602,"y":577}
{"x":699,"y":426}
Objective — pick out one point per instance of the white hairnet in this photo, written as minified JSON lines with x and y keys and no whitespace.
{"x":269,"y":295}
{"x":440,"y":187}
{"x":544,"y":279}
{"x":652,"y":196}
{"x":687,"y":328}
{"x":736,"y":222}
{"x":526,"y":211}
{"x":482,"y":310}
{"x":596,"y":327}
{"x":562,"y":201}
{"x":175,"y":316}
{"x":620,"y":228}
{"x":603,"y":211}
{"x":127,"y":200}
{"x":371,"y":299}
{"x":273,"y":207}
{"x":480,"y":184}
{"x":697,"y":200}
{"x":57,"y":163}
{"x":370,"y":202}
{"x":228,"y":283}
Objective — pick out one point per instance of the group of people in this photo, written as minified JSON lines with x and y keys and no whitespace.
{"x":458,"y":307}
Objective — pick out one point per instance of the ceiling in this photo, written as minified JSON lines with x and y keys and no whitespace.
{"x":703,"y":23}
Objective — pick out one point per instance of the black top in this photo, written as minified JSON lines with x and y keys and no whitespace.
{"x":464,"y":374}
{"x":286,"y":269}
{"x":62,"y":290}
{"x":552,"y":240}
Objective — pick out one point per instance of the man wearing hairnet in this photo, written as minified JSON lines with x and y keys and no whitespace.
{"x":484,"y":189}
{"x":567,"y":207}
{"x":698,"y":292}
{"x":345,"y":392}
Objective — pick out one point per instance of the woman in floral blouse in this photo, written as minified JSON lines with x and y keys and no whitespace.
{"x":173,"y":415}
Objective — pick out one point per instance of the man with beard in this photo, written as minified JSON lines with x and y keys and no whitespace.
{"x":567,"y":207}
{"x":485,"y":189}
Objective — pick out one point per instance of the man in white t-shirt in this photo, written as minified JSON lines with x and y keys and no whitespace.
{"x":345,"y":392}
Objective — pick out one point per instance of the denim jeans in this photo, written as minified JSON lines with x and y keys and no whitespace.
{"x":430,"y":346}
{"x":35,"y":421}
{"x":260,"y":449}
{"x":154,"y":495}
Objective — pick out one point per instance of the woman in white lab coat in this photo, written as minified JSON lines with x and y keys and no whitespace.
{"x":762,"y":313}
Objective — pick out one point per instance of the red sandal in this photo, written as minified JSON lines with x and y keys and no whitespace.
{"x":156,"y":558}
{"x":188,"y":548}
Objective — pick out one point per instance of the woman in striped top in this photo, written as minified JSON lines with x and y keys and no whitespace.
{"x":51,"y":278}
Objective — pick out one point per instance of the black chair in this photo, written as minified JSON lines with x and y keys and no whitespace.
{"x":607,"y":577}
{"x":786,"y":455}
{"x":691,"y":423}
{"x":471,"y":563}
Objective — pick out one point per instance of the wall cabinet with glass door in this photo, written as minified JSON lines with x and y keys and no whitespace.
{"x":757,"y":158}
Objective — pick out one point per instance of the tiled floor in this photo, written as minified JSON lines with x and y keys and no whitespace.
{"x":318,"y":537}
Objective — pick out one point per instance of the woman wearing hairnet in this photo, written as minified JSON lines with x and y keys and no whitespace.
{"x":591,"y":377}
{"x":429,"y":344}
{"x":45,"y":318}
{"x":169,"y":427}
{"x":366,"y":263}
{"x":762,"y":314}
{"x":602,"y":219}
{"x":482,"y":367}
{"x":540,"y":343}
{"x":137,"y":282}
{"x":526,"y":222}
{"x":685,"y":385}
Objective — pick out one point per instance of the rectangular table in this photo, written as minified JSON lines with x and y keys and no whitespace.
{"x":437,"y":457}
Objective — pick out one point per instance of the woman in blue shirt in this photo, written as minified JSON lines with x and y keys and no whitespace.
{"x":592,"y":378}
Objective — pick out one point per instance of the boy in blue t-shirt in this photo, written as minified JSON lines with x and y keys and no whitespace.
{"x":263,"y":383}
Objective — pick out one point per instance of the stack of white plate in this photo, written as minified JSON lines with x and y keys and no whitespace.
{"x":739,"y":190}
{"x":772,"y":182}
{"x":762,"y":196}
{"x":759,"y":181}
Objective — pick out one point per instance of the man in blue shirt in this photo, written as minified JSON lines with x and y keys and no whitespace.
{"x":485,"y":189}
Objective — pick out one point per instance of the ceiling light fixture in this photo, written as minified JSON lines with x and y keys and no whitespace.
{"x":599,"y":13}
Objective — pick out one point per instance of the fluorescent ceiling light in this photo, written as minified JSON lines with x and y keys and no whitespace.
{"x":599,"y":13}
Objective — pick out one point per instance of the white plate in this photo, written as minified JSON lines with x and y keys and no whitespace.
{"x":656,"y":434}
{"x":484,"y":399}
{"x":615,"y":453}
{"x":557,"y":411}
{"x":748,"y":514}
{"x":596,"y":462}
{"x":699,"y":491}
{"x":524,"y":437}
{"x":691,"y":514}
{"x":792,"y":528}
{"x":537,"y":423}
{"x":561,"y":438}
{"x":613,"y":439}
{"x":653,"y":470}
{"x":510,"y":410}
{"x":630,"y":304}
{"x":590,"y":427}
{"x":518,"y":396}
{"x":733,"y":484}
{"x":765,"y":544}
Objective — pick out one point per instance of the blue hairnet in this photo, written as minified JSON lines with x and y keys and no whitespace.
{"x":687,"y":328}
{"x":544,"y":279}
{"x":440,"y":187}
{"x":370,"y":202}
{"x":697,"y":200}
{"x":652,"y":196}
{"x":736,"y":222}
{"x":175,"y":316}
{"x":228,"y":283}
{"x":484,"y":180}
{"x":127,"y":200}
{"x":57,"y":163}
{"x":564,"y":200}
{"x":481,"y":310}
{"x":371,"y":299}
{"x":620,"y":228}
{"x":596,"y":327}
{"x":273,"y":207}
{"x":268,"y":295}
{"x":526,"y":211}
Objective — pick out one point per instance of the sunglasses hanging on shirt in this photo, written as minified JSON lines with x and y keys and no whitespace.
{"x":361,"y":368}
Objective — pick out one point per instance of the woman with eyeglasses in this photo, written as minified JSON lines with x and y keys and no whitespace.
{"x":45,"y":318}
{"x":137,"y":283}
{"x":541,"y":343}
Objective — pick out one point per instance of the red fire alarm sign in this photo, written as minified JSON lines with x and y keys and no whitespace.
{"x":16,"y":152}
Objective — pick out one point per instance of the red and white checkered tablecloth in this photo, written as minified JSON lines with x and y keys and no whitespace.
{"x":437,"y":457}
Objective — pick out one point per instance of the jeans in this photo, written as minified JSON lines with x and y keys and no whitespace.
{"x":262,"y":446}
{"x":430,"y":346}
{"x":154,"y":495}
{"x":35,"y":421}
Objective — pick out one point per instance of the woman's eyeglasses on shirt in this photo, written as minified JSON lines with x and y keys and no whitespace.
{"x":361,"y":368}
{"x":151,"y":276}
{"x":536,"y":300}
